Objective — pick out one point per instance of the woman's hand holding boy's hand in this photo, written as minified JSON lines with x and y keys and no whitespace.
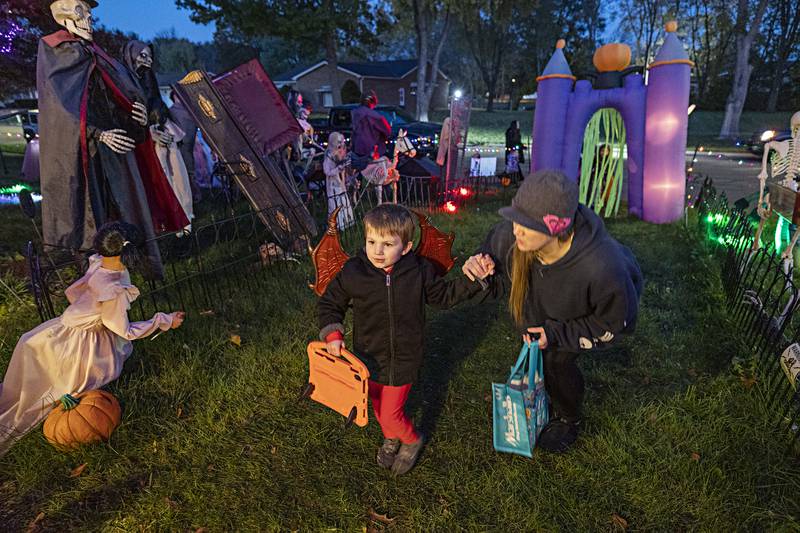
{"x":479,"y":266}
{"x":335,"y":347}
{"x":177,"y":319}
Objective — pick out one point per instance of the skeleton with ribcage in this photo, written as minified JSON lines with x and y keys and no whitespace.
{"x":783,"y":158}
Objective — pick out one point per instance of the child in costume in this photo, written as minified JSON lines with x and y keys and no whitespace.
{"x":84,"y":348}
{"x":388,"y":288}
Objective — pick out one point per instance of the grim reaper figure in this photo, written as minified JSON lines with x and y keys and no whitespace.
{"x":138,"y":57}
{"x":97,"y":158}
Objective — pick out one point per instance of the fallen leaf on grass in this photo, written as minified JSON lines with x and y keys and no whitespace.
{"x":179,"y":412}
{"x":274,"y":450}
{"x":75,"y":472}
{"x":618,"y":521}
{"x":207,"y":312}
{"x":201,"y":530}
{"x":695,"y":456}
{"x":34,"y":526}
{"x":382,"y":518}
{"x":171,"y":503}
{"x":748,"y":381}
{"x":236,"y":339}
{"x":692,"y":372}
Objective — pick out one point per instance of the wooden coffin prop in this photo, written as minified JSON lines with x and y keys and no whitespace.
{"x":258,"y":107}
{"x":232,"y":134}
{"x":785,"y":202}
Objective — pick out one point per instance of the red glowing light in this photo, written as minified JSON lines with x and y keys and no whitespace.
{"x":463,"y":191}
{"x":450,"y":207}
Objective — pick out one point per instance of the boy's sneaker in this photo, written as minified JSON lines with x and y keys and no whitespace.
{"x":407,"y":457}
{"x":559,"y":435}
{"x":388,"y":452}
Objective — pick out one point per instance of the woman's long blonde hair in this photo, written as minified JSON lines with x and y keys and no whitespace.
{"x":521,"y":263}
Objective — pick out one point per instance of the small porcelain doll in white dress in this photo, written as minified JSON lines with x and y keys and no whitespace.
{"x":85,"y":347}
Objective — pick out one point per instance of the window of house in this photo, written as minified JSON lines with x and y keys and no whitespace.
{"x":325,"y":96}
{"x":401,"y":100}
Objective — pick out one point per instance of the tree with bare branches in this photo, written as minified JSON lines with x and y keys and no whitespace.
{"x":749,"y":15}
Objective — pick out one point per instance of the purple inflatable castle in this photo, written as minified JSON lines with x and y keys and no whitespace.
{"x":655,"y":117}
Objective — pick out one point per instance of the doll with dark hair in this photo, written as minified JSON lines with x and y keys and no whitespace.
{"x":84,"y":348}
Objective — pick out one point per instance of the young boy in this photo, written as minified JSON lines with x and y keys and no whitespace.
{"x":388,"y":288}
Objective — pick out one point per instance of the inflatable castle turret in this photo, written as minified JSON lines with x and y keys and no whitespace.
{"x":655,"y":118}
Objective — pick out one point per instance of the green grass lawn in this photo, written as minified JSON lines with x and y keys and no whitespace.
{"x":213,"y":435}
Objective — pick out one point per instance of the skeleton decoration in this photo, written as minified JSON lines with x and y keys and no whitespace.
{"x":786,"y":162}
{"x":336,"y":165}
{"x":138,"y":57}
{"x":97,"y":162}
{"x":75,"y":16}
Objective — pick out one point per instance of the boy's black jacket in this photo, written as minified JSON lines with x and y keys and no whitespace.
{"x":584,"y":300}
{"x":389,"y":311}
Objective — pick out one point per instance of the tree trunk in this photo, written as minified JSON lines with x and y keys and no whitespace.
{"x":741,"y":75}
{"x":425,"y":95}
{"x":332,"y":56}
{"x":421,"y":24}
{"x":777,"y":82}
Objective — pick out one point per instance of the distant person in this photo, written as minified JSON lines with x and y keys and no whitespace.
{"x":371,"y":130}
{"x":514,"y":141}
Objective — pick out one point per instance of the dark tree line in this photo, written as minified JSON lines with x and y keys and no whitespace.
{"x":745,"y":51}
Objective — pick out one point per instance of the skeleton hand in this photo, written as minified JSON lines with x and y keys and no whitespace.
{"x":139,"y":113}
{"x":164,"y":138}
{"x":117,"y":140}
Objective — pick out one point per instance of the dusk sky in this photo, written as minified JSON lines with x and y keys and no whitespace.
{"x":149,"y":17}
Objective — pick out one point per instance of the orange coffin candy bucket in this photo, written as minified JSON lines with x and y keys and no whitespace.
{"x":340,"y":383}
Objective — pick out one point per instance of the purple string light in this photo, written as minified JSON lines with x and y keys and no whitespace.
{"x":7,"y":38}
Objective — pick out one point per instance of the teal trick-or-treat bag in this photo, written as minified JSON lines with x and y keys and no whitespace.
{"x":520,"y":404}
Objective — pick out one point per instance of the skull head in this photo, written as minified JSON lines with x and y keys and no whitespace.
{"x":795,"y":124}
{"x":144,"y":59}
{"x":75,"y":16}
{"x":337,"y":145}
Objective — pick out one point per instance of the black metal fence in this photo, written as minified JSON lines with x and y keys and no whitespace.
{"x":762,"y":299}
{"x":234,"y":253}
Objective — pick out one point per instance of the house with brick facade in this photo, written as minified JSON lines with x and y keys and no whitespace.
{"x":395,"y":83}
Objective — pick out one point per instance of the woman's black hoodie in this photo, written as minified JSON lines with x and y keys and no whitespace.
{"x":585,"y":299}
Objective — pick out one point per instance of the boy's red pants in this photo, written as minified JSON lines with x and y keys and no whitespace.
{"x":389,"y":406}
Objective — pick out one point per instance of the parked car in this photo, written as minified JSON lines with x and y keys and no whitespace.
{"x":11,"y":121}
{"x":423,"y":135}
{"x":756,"y":143}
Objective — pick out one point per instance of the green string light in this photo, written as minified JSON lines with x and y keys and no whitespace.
{"x":779,"y":235}
{"x":14,"y":189}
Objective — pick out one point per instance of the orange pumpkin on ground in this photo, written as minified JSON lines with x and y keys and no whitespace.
{"x":87,"y":417}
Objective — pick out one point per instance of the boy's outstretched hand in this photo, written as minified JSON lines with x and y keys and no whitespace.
{"x":335,"y":347}
{"x":479,"y":266}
